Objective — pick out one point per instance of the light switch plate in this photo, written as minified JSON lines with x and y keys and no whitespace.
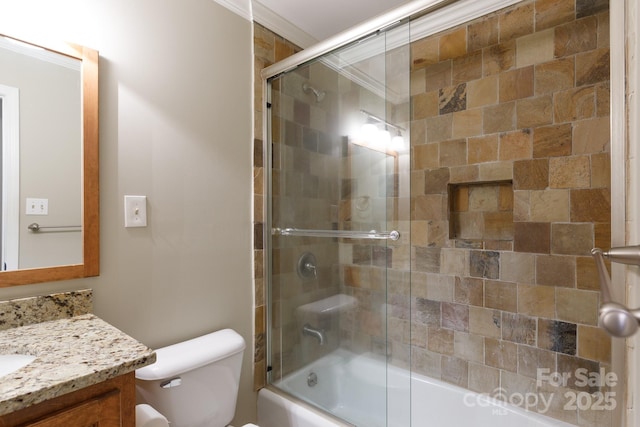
{"x":135,"y":211}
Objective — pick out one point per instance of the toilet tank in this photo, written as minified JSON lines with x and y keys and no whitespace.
{"x":195,"y":383}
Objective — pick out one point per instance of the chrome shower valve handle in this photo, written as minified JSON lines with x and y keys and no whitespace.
{"x":616,"y":319}
{"x":307,"y":266}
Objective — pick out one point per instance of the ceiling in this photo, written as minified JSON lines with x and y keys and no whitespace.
{"x":307,"y":22}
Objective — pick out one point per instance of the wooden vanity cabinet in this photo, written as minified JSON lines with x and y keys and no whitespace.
{"x":107,"y":404}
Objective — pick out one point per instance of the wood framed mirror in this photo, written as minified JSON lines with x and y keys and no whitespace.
{"x":47,"y":235}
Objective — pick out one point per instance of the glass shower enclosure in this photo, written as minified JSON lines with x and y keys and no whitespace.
{"x":462,"y":257}
{"x":339,"y":215}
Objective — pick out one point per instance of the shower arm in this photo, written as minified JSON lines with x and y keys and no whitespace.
{"x":616,"y":319}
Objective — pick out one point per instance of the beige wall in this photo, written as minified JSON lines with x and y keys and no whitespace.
{"x":176,"y":126}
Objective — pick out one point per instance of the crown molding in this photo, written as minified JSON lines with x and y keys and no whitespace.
{"x":239,"y":7}
{"x":40,"y":53}
{"x":274,"y":22}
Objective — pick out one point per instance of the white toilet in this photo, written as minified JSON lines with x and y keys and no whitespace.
{"x":192,"y":384}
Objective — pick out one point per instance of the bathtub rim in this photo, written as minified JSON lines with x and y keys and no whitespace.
{"x":414,"y":376}
{"x":306,"y":405}
{"x":341,"y":423}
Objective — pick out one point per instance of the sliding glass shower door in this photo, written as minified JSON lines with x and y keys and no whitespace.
{"x":339,"y":291}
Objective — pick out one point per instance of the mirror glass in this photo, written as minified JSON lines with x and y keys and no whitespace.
{"x":49,"y":139}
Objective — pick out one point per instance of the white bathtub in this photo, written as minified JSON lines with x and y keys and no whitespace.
{"x":353,"y":388}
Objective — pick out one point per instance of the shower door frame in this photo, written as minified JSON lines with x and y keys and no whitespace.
{"x":625,"y":155}
{"x":625,"y":170}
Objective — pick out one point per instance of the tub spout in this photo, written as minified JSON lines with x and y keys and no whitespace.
{"x":307,"y":329}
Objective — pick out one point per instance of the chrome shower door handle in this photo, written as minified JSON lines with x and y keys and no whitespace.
{"x":624,"y":255}
{"x":616,"y":319}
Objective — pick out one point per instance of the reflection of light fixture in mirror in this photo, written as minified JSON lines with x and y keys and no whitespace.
{"x":397,"y":142}
{"x":373,"y":137}
{"x":382,"y":140}
{"x":369,"y":131}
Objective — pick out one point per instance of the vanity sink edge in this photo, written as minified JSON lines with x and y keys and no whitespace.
{"x":53,"y":358}
{"x":10,"y":363}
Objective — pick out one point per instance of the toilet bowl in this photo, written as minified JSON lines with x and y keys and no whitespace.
{"x":147,"y":416}
{"x":193,"y":383}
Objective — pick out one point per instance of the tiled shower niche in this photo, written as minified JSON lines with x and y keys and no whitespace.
{"x":481,"y":211}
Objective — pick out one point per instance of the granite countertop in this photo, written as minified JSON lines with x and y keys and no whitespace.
{"x":71,"y":353}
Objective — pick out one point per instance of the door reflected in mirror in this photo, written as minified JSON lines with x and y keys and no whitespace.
{"x":49,"y":130}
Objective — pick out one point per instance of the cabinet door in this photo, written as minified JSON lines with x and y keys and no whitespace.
{"x":101,"y":411}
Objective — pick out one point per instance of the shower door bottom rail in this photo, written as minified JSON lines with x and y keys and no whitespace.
{"x":345,"y":234}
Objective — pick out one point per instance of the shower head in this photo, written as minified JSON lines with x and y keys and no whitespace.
{"x":319,"y":94}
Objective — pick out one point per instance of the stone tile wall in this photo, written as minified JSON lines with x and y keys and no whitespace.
{"x":520,"y":96}
{"x":268,"y":49}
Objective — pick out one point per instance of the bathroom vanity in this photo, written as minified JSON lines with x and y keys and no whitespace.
{"x":82,"y":373}
{"x":110,"y":403}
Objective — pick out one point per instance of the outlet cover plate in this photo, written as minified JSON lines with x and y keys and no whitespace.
{"x":37,"y":206}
